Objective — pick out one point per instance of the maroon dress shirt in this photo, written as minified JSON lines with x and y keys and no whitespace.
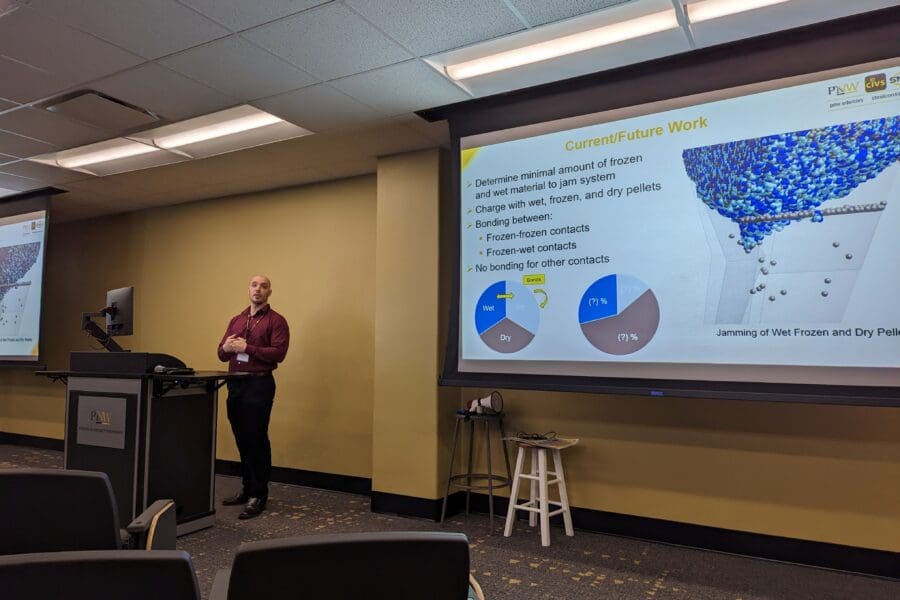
{"x":267,"y":338}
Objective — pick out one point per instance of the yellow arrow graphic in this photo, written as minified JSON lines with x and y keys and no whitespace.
{"x":546,"y":297}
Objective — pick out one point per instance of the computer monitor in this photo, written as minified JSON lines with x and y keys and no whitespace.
{"x":120,"y":311}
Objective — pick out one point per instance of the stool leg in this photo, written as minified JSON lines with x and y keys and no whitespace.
{"x":545,"y":506}
{"x":563,"y":496}
{"x":450,"y":471}
{"x":533,"y":497}
{"x":505,"y":451}
{"x":469,"y":469}
{"x":514,"y":494}
{"x":490,"y":475}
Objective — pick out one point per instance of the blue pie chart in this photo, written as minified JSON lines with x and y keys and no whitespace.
{"x":507,"y":316}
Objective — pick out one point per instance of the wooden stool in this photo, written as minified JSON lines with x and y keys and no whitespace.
{"x":539,"y":501}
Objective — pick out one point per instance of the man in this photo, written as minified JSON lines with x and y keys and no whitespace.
{"x":255,"y":342}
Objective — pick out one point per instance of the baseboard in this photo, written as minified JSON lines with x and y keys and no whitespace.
{"x":314,"y":479}
{"x":32,"y":441}
{"x":852,"y":559}
{"x":783,"y":549}
{"x":407,"y":506}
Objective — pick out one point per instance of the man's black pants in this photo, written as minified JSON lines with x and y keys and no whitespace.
{"x":249,"y":408}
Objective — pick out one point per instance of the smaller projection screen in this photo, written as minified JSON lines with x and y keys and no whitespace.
{"x":23,"y":236}
{"x":749,"y":236}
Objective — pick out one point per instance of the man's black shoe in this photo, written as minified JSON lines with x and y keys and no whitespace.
{"x":235,"y":500}
{"x":254,"y":507}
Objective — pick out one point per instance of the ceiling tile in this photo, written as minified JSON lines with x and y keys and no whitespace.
{"x":23,"y":83}
{"x":66,"y":54}
{"x":43,"y":173}
{"x":335,"y":42}
{"x":22,"y":147}
{"x":539,"y":13}
{"x":429,"y":26}
{"x":401,"y":88}
{"x":317,"y":108}
{"x":19,"y":184}
{"x":149,"y":28}
{"x":164,"y":92}
{"x":48,"y":127}
{"x":239,"y":69}
{"x":241,"y":14}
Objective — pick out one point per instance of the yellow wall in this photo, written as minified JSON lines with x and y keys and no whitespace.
{"x":356,"y":269}
{"x":190,"y":265}
{"x":411,"y":422}
{"x":814,"y":472}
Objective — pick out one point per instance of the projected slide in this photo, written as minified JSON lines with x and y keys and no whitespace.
{"x":761,"y":229}
{"x":21,"y":263}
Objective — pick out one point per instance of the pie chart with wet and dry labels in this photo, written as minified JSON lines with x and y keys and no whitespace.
{"x":507,"y":316}
{"x":618,"y":314}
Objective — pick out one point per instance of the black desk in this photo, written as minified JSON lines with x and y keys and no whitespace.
{"x":153,"y":434}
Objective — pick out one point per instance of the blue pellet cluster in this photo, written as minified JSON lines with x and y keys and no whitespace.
{"x":15,"y":261}
{"x":779,"y":175}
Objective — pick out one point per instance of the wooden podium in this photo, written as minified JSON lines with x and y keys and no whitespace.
{"x":152,"y":433}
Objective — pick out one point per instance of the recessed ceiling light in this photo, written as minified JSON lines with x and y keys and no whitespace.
{"x":103,"y":152}
{"x":561,"y":46}
{"x":216,"y":133}
{"x":217,"y":130}
{"x":706,"y":10}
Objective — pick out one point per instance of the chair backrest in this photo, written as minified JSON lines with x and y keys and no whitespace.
{"x":99,"y":575}
{"x":395,"y":565}
{"x":52,"y":510}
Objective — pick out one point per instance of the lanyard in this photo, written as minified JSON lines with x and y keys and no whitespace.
{"x":249,"y":328}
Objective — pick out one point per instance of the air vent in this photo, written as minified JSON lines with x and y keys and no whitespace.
{"x":101,"y":110}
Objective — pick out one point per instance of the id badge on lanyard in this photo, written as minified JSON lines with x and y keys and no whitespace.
{"x":243,"y":357}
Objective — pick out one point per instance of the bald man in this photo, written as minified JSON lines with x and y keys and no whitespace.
{"x":256,"y":341}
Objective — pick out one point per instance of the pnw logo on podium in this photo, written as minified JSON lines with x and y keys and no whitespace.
{"x":101,"y":417}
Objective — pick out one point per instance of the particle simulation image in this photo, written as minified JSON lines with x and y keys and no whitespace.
{"x":763,"y":184}
{"x":793,"y":216}
{"x":15,"y":262}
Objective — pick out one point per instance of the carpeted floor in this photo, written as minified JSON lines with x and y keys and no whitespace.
{"x":587,"y":565}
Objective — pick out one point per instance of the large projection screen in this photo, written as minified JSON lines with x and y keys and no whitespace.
{"x":23,"y":236}
{"x":738,"y":241}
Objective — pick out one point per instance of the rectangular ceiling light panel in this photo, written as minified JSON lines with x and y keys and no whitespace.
{"x":106,"y":151}
{"x":224,"y":131}
{"x":706,"y":10}
{"x":562,"y":46}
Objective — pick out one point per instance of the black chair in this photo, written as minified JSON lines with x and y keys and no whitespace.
{"x":99,"y":575}
{"x":52,"y":510}
{"x":395,"y":565}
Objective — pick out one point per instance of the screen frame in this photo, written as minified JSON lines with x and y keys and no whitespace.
{"x":35,"y":201}
{"x":849,"y":42}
